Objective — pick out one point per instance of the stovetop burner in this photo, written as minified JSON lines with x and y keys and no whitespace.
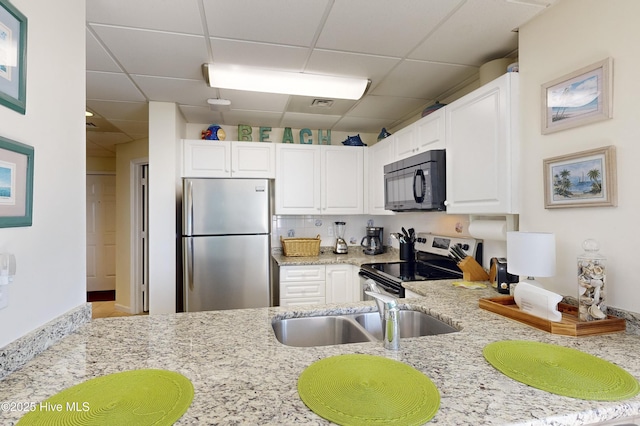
{"x":433,"y":260}
{"x":414,"y":271}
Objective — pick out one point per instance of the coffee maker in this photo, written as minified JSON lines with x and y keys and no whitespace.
{"x":372,"y":241}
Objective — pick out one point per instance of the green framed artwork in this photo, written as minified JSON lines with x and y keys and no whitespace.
{"x":13,"y":56}
{"x":16,"y":183}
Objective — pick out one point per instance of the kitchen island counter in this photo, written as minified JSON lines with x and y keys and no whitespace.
{"x":242,"y":375}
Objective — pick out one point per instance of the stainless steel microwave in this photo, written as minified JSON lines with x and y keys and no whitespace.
{"x":417,"y":183}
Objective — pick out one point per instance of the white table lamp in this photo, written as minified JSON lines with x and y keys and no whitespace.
{"x":531,"y":254}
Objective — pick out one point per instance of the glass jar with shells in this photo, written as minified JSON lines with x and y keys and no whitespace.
{"x":592,"y":279}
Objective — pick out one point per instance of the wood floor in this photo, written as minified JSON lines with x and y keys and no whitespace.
{"x":106,"y":310}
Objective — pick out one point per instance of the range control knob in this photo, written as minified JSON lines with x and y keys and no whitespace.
{"x":465,"y":247}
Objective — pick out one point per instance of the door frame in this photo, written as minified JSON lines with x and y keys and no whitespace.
{"x":139,"y":265}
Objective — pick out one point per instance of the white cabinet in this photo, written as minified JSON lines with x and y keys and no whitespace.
{"x":313,"y":179}
{"x":318,"y":284}
{"x":483,"y":149}
{"x":379,"y":155}
{"x":204,"y":158}
{"x":342,"y":189}
{"x":340,"y":284}
{"x":302,"y":285}
{"x":425,"y":134}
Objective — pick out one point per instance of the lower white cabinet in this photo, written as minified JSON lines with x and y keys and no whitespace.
{"x":340,"y":284}
{"x":318,"y":284}
{"x":302,"y":285}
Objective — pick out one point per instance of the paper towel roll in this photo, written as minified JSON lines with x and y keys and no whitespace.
{"x":489,"y":229}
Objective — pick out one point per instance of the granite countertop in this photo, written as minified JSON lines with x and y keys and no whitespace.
{"x":243,"y":375}
{"x":355,"y":256}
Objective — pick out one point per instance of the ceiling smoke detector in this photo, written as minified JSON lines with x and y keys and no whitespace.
{"x":322,"y":103}
{"x":219,"y":104}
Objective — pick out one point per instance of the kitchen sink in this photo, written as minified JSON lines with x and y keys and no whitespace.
{"x":412,"y":324}
{"x":353,"y":328}
{"x":320,"y":331}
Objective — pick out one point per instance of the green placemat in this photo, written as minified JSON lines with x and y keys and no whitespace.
{"x":137,"y":397}
{"x":367,"y":390}
{"x":560,"y":370}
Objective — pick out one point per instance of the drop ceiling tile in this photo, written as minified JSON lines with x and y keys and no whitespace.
{"x":309,"y":121}
{"x":350,"y":64}
{"x":252,"y":118}
{"x":423,"y":80}
{"x":107,"y":139}
{"x":112,"y":86}
{"x":181,"y":16}
{"x":260,"y":55}
{"x":196,"y":114}
{"x":382,"y":27}
{"x":131,"y":127}
{"x":97,"y":58}
{"x":292,"y":22}
{"x":304,"y":104}
{"x":487,"y":26}
{"x":181,"y":91}
{"x":385,"y":107}
{"x":361,"y":125}
{"x":244,"y":100}
{"x":138,"y":111}
{"x":155,"y":53}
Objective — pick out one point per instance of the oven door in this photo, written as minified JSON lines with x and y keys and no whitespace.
{"x":384,"y":284}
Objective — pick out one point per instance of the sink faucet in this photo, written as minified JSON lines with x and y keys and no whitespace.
{"x":371,"y":286}
{"x":390,"y":320}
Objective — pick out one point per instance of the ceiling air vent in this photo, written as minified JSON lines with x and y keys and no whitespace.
{"x":91,"y":125}
{"x":322,"y":103}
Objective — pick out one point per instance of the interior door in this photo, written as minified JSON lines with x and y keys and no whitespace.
{"x":101,"y":232}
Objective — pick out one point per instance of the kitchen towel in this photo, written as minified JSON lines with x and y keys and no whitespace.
{"x":561,"y":370}
{"x":134,"y":398}
{"x":358,"y":389}
{"x":495,"y":230}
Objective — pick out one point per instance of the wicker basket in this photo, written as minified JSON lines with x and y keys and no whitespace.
{"x":300,"y":246}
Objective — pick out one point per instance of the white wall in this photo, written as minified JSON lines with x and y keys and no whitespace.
{"x":125,"y":154}
{"x":51,"y":257}
{"x":166,"y":128}
{"x":568,"y":36}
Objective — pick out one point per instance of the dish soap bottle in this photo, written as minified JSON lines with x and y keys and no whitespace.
{"x":591,"y":283}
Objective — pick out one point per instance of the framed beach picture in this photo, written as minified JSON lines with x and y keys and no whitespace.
{"x":579,"y":98}
{"x":13,"y":54}
{"x":583,"y":179}
{"x":16,"y":183}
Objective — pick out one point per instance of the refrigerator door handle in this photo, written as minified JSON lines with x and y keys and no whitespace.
{"x":188,"y":208}
{"x":189,"y":262}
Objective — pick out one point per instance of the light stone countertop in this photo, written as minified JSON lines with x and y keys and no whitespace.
{"x":243,"y":375}
{"x":355,"y":256}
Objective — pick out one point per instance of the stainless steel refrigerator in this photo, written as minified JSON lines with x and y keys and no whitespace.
{"x":226,"y":241}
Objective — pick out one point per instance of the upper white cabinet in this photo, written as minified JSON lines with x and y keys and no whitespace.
{"x":205,"y":158}
{"x":483,"y":149}
{"x":313,"y":179}
{"x":342,"y":169}
{"x":379,"y":155}
{"x":423,"y":135}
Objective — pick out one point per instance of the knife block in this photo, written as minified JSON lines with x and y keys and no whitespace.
{"x":472,"y":270}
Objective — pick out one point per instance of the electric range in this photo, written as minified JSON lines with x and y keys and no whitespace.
{"x":432,"y":262}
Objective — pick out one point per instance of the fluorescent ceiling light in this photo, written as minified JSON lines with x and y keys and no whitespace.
{"x":287,"y":83}
{"x":88,"y":114}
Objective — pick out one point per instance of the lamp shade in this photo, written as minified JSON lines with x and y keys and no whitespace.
{"x":531,"y":254}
